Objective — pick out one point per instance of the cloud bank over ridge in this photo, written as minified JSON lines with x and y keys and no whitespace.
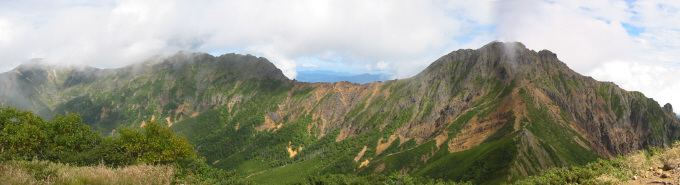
{"x":633,"y":43}
{"x":116,"y":33}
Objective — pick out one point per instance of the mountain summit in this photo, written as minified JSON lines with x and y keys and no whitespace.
{"x":490,"y":115}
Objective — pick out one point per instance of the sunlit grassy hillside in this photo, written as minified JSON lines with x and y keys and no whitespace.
{"x":655,"y":165}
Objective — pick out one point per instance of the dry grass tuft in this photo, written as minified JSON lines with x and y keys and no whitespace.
{"x":637,"y":160}
{"x":608,"y":179}
{"x":44,"y":172}
{"x":642,"y":159}
{"x":671,"y":153}
{"x":15,"y":175}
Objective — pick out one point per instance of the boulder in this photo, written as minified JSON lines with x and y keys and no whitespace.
{"x":670,"y":165}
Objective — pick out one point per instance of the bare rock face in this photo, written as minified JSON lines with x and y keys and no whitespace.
{"x":668,"y":107}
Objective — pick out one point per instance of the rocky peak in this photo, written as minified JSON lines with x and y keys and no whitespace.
{"x":258,"y":67}
{"x":668,"y":108}
{"x":500,"y":60}
{"x":508,"y":50}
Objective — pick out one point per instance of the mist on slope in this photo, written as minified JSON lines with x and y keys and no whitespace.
{"x":108,"y":34}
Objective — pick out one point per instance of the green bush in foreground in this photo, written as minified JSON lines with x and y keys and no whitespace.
{"x":155,"y":144}
{"x":26,"y":136}
{"x":38,"y":151}
{"x":196,"y":171}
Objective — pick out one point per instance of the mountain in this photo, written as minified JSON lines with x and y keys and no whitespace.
{"x":329,"y":76}
{"x":166,"y":87}
{"x":491,"y":115}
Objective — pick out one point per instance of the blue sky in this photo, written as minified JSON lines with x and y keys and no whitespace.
{"x":633,"y":30}
{"x":635,"y":44}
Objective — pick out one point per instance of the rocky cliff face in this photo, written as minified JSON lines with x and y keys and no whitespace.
{"x":488,"y":115}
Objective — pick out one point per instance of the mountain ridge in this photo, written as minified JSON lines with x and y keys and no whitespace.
{"x":328,"y":76}
{"x":490,"y":115}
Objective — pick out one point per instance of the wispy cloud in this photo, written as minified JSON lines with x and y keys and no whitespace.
{"x":115,"y":33}
{"x":309,"y":65}
{"x":634,"y":44}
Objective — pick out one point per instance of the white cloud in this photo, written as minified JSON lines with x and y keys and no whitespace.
{"x":400,"y":36}
{"x":658,"y":82}
{"x":11,"y":35}
{"x":309,"y":65}
{"x":577,"y":34}
{"x":382,"y":65}
{"x":590,"y":37}
{"x":112,"y":34}
{"x":656,"y":14}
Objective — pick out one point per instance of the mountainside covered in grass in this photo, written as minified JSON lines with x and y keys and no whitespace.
{"x":167,"y":89}
{"x":491,"y":115}
{"x":655,"y":165}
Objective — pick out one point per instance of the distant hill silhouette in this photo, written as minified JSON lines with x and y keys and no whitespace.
{"x":332,"y":76}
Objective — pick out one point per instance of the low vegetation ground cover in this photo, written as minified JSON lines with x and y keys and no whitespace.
{"x":641,"y":167}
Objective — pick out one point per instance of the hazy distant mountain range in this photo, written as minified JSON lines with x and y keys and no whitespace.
{"x":332,"y":76}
